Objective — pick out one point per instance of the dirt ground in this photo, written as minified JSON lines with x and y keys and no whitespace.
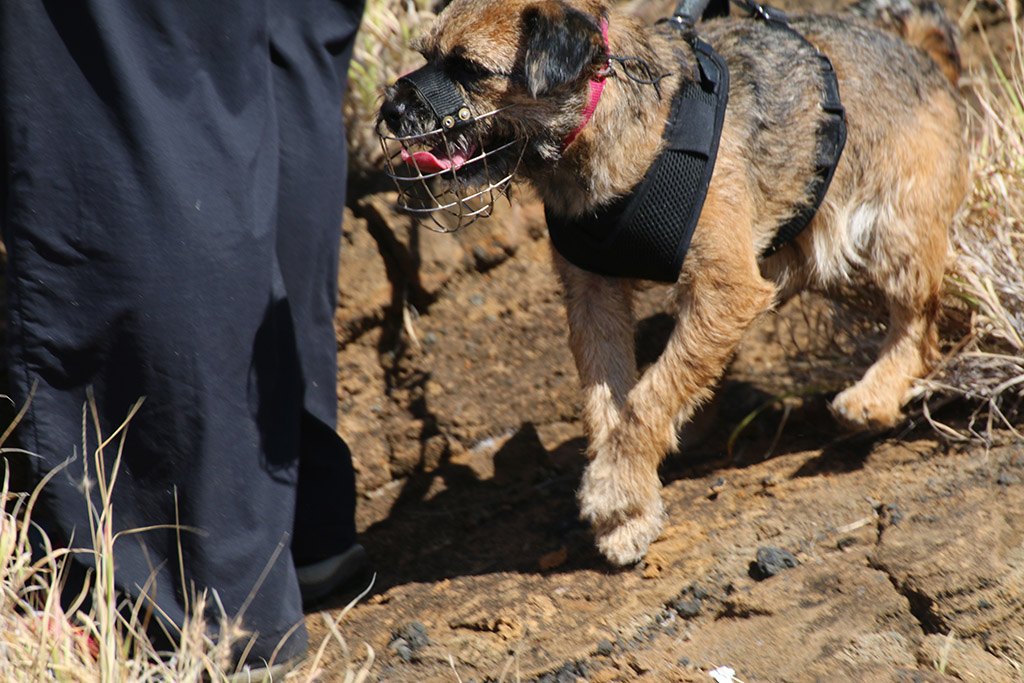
{"x":792,"y":552}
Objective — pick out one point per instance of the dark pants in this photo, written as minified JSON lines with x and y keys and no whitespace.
{"x":174,"y":174}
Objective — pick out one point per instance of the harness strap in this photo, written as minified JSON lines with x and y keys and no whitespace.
{"x":689,"y":11}
{"x":646,"y":234}
{"x":831,"y":137}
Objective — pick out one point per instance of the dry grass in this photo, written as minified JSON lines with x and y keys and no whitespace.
{"x":986,"y":283}
{"x":381,"y":55}
{"x":108,"y":641}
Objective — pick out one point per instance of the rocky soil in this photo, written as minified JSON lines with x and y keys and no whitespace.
{"x":792,"y":552}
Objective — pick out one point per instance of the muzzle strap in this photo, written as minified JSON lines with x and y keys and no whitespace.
{"x":440,"y":93}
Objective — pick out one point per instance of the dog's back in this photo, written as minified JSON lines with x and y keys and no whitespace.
{"x":921,"y":23}
{"x":904,"y":146}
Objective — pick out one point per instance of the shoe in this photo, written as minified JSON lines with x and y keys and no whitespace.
{"x":321,"y":579}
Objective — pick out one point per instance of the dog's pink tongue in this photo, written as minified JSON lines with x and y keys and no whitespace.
{"x":428,"y":162}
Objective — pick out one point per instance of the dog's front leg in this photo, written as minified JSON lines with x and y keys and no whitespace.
{"x":620,"y":494}
{"x":601,"y":335}
{"x":601,"y":328}
{"x":720,"y":295}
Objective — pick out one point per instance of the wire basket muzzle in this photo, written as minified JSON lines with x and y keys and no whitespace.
{"x":447,"y":174}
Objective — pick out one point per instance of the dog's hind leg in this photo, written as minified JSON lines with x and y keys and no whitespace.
{"x":908,"y":352}
{"x":906,"y":260}
{"x":720,"y":294}
{"x":908,"y":269}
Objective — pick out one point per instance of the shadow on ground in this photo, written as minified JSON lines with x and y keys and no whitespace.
{"x":454,"y":521}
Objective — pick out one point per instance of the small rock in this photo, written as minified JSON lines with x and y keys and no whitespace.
{"x":688,"y":608}
{"x":641,"y":663}
{"x":770,"y":561}
{"x":565,"y":677}
{"x":489,"y":256}
{"x":723,"y":674}
{"x":400,"y":646}
{"x":570,"y":672}
{"x":408,"y":639}
{"x":415,"y":633}
{"x":605,"y":648}
{"x":664,"y":617}
{"x":844,"y":543}
{"x":716,"y":487}
{"x":893,"y":514}
{"x":1007,"y":479}
{"x":644,"y":634}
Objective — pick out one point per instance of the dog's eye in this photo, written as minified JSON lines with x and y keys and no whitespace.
{"x":465,"y":70}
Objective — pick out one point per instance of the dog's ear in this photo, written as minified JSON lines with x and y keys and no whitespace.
{"x":560,"y":43}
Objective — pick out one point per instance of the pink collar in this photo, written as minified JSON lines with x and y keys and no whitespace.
{"x":596,"y":88}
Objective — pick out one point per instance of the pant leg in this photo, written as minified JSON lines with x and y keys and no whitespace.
{"x":140,"y":214}
{"x":311,"y":44}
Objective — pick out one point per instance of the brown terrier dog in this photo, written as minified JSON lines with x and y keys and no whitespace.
{"x":883,"y":222}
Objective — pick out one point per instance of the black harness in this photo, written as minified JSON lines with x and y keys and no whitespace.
{"x":831,"y":132}
{"x":646,"y":234}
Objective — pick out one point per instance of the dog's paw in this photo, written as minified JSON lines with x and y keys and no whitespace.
{"x":861,"y":409}
{"x":627,"y":542}
{"x":623,"y":504}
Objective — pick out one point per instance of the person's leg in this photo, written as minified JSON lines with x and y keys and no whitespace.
{"x":311,"y":44}
{"x":140,"y":215}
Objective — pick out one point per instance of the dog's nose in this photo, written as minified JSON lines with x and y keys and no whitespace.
{"x":392,"y":112}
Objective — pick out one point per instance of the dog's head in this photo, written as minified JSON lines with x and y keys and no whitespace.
{"x":504,"y":86}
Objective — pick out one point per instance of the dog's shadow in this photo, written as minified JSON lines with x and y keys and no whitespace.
{"x":523,"y":518}
{"x":450,"y":522}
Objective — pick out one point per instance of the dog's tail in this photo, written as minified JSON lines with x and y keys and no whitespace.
{"x":922,"y":23}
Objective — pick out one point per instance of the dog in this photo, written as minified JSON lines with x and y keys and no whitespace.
{"x":883,"y":224}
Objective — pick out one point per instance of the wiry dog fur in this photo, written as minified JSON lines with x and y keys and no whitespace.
{"x":883,"y":222}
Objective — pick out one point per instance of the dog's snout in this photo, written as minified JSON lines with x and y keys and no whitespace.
{"x":403,"y":112}
{"x":392,"y":111}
